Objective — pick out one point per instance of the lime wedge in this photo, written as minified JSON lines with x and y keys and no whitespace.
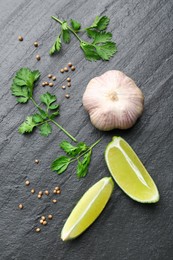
{"x":88,"y":208}
{"x":129,"y":172}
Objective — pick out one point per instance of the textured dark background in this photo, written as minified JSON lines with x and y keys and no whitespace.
{"x":128,"y":230}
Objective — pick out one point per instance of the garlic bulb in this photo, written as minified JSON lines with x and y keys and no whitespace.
{"x":113,"y":101}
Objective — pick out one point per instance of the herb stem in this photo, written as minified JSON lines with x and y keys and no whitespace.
{"x":70,"y":29}
{"x":65,"y":131}
{"x":35,"y":104}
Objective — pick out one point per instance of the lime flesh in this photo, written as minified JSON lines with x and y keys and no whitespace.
{"x":88,"y":209}
{"x":129,"y":172}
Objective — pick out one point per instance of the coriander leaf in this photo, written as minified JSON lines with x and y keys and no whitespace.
{"x":69,"y":148}
{"x":66,"y":36}
{"x":37,"y":118}
{"x":106,"y":50}
{"x":45,"y":129}
{"x":27,"y":126}
{"x":23,"y":84}
{"x":82,"y":167}
{"x":101,"y":37}
{"x":75,"y":24}
{"x":91,"y":33}
{"x":43,"y":114}
{"x":64,"y":25}
{"x":53,"y":115}
{"x":100,"y":23}
{"x":52,"y":107}
{"x":56,"y":46}
{"x":82,"y":147}
{"x":48,"y":99}
{"x":60,"y":164}
{"x":89,"y":51}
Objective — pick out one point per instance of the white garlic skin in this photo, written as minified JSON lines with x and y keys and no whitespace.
{"x":113,"y":101}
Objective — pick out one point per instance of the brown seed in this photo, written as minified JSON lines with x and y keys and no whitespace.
{"x":38,"y":57}
{"x":36,"y":44}
{"x":41,"y":221}
{"x":69,"y":84}
{"x":39,"y":196}
{"x":40,"y":193}
{"x":32,"y":191}
{"x":43,"y":217}
{"x":27,"y":183}
{"x":61,"y":70}
{"x":43,"y":84}
{"x":73,"y":68}
{"x":58,"y":191}
{"x":67,"y":96}
{"x":36,"y":161}
{"x":54,"y":191}
{"x":57,"y":188}
{"x":69,"y":79}
{"x":54,"y":201}
{"x":50,"y":216}
{"x":37,"y":229}
{"x":20,"y":38}
{"x":51,"y":84}
{"x":53,"y":78}
{"x":44,"y":222}
{"x":70,"y":64}
{"x":20,"y":206}
{"x":63,"y":87}
{"x":46,"y":83}
{"x":46,"y":192}
{"x":65,"y":69}
{"x":50,"y":76}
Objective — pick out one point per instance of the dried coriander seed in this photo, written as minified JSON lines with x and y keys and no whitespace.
{"x":40,"y":193}
{"x":57,"y":188}
{"x":69,"y":79}
{"x":20,"y":38}
{"x":54,"y":191}
{"x":43,"y":217}
{"x":53,"y":78}
{"x":70,"y":64}
{"x":36,"y":44}
{"x":63,"y":87}
{"x":27,"y":183}
{"x":54,"y":201}
{"x":39,"y":196}
{"x":73,"y":68}
{"x":65,"y":69}
{"x":69,"y":84}
{"x":20,"y":206}
{"x":44,"y":222}
{"x":43,"y":84}
{"x":37,"y":161}
{"x":58,"y":191}
{"x":51,"y":84}
{"x":61,"y":70}
{"x":67,"y":96}
{"x":50,"y":216}
{"x":37,"y":230}
{"x":38,"y":57}
{"x":41,"y":221}
{"x":46,"y":192}
{"x":32,"y":191}
{"x":50,"y":76}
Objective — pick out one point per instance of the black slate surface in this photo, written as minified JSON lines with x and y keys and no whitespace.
{"x":128,"y":230}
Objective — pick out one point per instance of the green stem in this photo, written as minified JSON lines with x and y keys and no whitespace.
{"x":54,"y":122}
{"x":60,"y":127}
{"x":70,"y":29}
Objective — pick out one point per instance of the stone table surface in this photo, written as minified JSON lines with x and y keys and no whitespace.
{"x":126,"y":230}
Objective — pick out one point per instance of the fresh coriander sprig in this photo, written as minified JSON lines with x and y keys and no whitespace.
{"x":101,"y":46}
{"x":81,"y":153}
{"x":22,"y":88}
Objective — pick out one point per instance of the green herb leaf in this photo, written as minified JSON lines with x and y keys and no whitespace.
{"x":101,"y":37}
{"x":43,"y":114}
{"x":73,"y":150}
{"x":60,"y":164}
{"x":53,"y":107}
{"x":23,"y":84}
{"x":65,"y":32}
{"x":27,"y":126}
{"x":82,"y":167}
{"x":48,"y":99}
{"x":56,"y":46}
{"x":106,"y":50}
{"x":45,"y":129}
{"x":37,"y":118}
{"x":75,"y":25}
{"x":53,"y":115}
{"x":89,"y":51}
{"x":100,"y":23}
